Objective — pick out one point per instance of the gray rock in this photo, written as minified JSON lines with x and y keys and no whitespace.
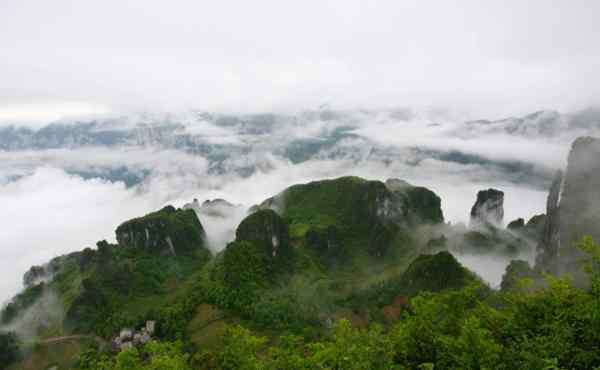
{"x":150,"y":327}
{"x":547,"y":249}
{"x":488,"y":209}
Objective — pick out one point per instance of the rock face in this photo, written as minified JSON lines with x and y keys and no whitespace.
{"x":580,"y":201}
{"x":573,"y":211}
{"x":488,"y":209}
{"x":260,"y":252}
{"x":547,"y":249}
{"x":420,"y":204}
{"x":168,"y":231}
{"x":532,"y":230}
{"x":347,"y":213}
{"x":267,"y":229}
{"x":34,"y":275}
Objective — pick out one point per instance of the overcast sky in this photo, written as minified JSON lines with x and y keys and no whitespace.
{"x":490,"y":58}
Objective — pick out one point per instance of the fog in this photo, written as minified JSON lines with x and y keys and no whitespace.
{"x":48,"y":212}
{"x":406,"y":75}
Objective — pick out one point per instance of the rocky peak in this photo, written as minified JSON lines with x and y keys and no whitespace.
{"x":572,"y":211}
{"x":168,"y":231}
{"x":579,"y":200}
{"x":195,"y":205}
{"x":516,"y":225}
{"x":488,"y":208}
{"x":212,"y":207}
{"x":396,"y":184}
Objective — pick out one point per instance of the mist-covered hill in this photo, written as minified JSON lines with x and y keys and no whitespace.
{"x":95,"y":172}
{"x":321,"y":260}
{"x":235,"y":143}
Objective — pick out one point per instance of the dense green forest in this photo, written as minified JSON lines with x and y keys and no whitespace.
{"x":471,"y":327}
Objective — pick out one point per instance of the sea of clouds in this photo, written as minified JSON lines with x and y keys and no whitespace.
{"x":49,"y":208}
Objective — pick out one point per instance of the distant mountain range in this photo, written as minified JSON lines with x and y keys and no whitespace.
{"x":239,"y":143}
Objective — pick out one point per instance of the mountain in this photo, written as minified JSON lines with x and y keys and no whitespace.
{"x":488,"y":208}
{"x":572,"y":209}
{"x":245,"y":144}
{"x":350,"y":215}
{"x":321,"y":267}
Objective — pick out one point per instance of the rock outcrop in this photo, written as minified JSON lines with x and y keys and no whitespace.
{"x":516,"y":225}
{"x":345,"y":214}
{"x":260,"y":253}
{"x":579,"y":202}
{"x":128,"y":338}
{"x":212,"y":207}
{"x":573,"y":211}
{"x":488,"y":209}
{"x":267,"y":229}
{"x":168,"y":231}
{"x":420,"y":204}
{"x":547,"y":249}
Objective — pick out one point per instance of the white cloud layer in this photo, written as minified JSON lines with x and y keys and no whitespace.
{"x":48,"y":212}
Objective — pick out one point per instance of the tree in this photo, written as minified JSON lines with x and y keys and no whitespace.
{"x":9,"y":349}
{"x":240,"y":349}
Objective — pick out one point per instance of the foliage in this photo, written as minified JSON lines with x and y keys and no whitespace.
{"x":352,"y":215}
{"x":154,"y":231}
{"x":427,"y":273}
{"x":240,"y":350}
{"x":21,"y":302}
{"x":153,"y":356}
{"x":516,"y":273}
{"x":9,"y":349}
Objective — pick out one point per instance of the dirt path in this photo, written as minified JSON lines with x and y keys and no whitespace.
{"x":71,"y":337}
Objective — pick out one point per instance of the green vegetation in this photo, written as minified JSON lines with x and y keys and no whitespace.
{"x":555,"y":327}
{"x":21,"y":302}
{"x":104,"y":290}
{"x":9,"y":349}
{"x":169,"y":230}
{"x":353,"y":216}
{"x":336,"y":279}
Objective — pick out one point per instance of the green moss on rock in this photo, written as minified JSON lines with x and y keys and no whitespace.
{"x":264,"y":239}
{"x":349,"y":214}
{"x":434,"y":273}
{"x":168,"y":231}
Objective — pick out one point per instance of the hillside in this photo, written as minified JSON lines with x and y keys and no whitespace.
{"x":339,"y":273}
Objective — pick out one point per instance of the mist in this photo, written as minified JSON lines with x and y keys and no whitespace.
{"x":112,"y":110}
{"x":49,"y":211}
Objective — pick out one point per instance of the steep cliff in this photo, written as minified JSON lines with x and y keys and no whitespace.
{"x":547,"y":249}
{"x":580,"y":201}
{"x":349,"y":213}
{"x":488,"y":209}
{"x":168,"y":231}
{"x":267,"y":229}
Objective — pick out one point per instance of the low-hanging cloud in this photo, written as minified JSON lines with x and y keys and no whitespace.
{"x":59,"y":200}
